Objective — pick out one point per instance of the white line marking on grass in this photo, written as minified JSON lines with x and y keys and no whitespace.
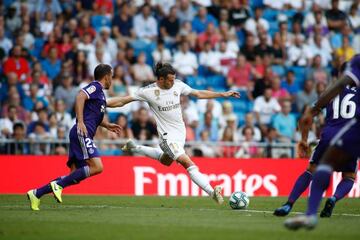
{"x":164,"y":208}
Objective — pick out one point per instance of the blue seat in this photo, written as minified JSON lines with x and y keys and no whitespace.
{"x":270,"y":14}
{"x":300,"y":72}
{"x":278,"y":69}
{"x":256,"y":3}
{"x":217,"y":81}
{"x":196,"y":82}
{"x":240,"y":105}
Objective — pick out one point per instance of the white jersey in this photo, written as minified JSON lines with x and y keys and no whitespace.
{"x":165,"y":104}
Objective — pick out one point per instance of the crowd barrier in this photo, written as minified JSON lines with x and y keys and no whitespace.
{"x":142,"y":176}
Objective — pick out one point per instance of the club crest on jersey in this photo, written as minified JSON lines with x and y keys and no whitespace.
{"x":91,"y":89}
{"x":102,"y":108}
{"x":175,"y":93}
{"x":157,"y":94}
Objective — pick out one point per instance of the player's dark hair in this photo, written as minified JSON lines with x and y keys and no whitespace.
{"x":101,"y":71}
{"x":163,"y":70}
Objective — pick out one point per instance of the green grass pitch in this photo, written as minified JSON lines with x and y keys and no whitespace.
{"x":117,"y":217}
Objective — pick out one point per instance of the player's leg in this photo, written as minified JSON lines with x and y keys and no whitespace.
{"x":342,"y":189}
{"x":332,"y":159}
{"x":301,"y":184}
{"x":150,"y":152}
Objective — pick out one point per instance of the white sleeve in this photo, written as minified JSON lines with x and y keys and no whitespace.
{"x":186,"y":89}
{"x":257,"y":107}
{"x":139,"y":95}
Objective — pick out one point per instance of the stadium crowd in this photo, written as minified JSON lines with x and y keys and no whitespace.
{"x":279,"y":54}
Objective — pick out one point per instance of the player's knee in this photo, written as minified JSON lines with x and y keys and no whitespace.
{"x":96,"y":168}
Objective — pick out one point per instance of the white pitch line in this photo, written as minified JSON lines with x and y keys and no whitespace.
{"x":166,"y":208}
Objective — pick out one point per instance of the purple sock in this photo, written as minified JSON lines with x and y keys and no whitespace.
{"x":300,"y":186}
{"x":319,"y":184}
{"x":343,"y":188}
{"x":39,"y":192}
{"x":75,"y":177}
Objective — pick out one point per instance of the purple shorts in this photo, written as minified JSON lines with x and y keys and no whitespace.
{"x":81,"y":149}
{"x":346,"y":139}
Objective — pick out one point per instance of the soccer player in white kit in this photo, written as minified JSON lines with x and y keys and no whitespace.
{"x":163,"y":97}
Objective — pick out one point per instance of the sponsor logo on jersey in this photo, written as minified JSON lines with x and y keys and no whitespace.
{"x":169,"y":108}
{"x":91,"y":89}
{"x":91,"y":150}
{"x":102,"y":109}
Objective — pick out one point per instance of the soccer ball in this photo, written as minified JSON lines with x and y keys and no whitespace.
{"x":239,"y":200}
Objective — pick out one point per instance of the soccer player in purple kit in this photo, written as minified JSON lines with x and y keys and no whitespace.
{"x":344,"y":145}
{"x":337,"y":115}
{"x":84,"y":159}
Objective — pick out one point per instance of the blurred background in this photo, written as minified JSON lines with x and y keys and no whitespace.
{"x":280,"y":55}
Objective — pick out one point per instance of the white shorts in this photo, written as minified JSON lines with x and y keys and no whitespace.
{"x":172,"y":148}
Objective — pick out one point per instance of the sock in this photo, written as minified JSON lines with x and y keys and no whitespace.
{"x":46,"y":188}
{"x":75,"y":177}
{"x":200,"y":179}
{"x":150,"y":152}
{"x":300,"y":186}
{"x":343,"y":188}
{"x":319,"y":184}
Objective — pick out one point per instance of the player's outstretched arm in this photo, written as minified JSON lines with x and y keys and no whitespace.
{"x":206,"y":94}
{"x":119,"y":101}
{"x":79,"y":110}
{"x":111,"y":126}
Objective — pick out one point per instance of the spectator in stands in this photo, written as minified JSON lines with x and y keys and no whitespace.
{"x":161,"y":53}
{"x":298,"y":53}
{"x":85,"y":27}
{"x":100,"y":56}
{"x":100,"y":19}
{"x":186,"y":11}
{"x":248,"y":148}
{"x":239,"y":76}
{"x":209,"y":35}
{"x":80,"y":70}
{"x":248,"y":49}
{"x":5,"y":43}
{"x":227,"y":112}
{"x":142,"y":73}
{"x":7,"y":123}
{"x":263,"y":48}
{"x":354,"y":18}
{"x":110,"y":45}
{"x":51,"y":65}
{"x":319,"y":22}
{"x":261,"y":84}
{"x":306,"y":96}
{"x":40,"y":134}
{"x":265,"y":107}
{"x":317,"y":72}
{"x":19,"y":148}
{"x":190,"y":111}
{"x":239,"y":13}
{"x":335,"y":17}
{"x":29,"y":100}
{"x":142,"y":127}
{"x":41,"y":116}
{"x":15,"y":100}
{"x":53,"y":125}
{"x":278,"y":92}
{"x":170,"y":26}
{"x":122,"y":23}
{"x":290,"y":84}
{"x":47,"y":24}
{"x":226,"y":56}
{"x":249,"y":123}
{"x":320,"y":47}
{"x":185,"y":62}
{"x":205,"y":150}
{"x":63,"y":118}
{"x":145,"y":25}
{"x":126,"y":132}
{"x":210,"y":124}
{"x":278,"y":50}
{"x":228,"y":136}
{"x":210,"y":60}
{"x":202,"y":20}
{"x":12,"y":21}
{"x":252,"y":24}
{"x":86,"y":45}
{"x":285,"y":123}
{"x":16,"y":63}
{"x":104,"y":4}
{"x":67,"y":92}
{"x":12,"y":82}
{"x":186,"y":34}
{"x":345,"y":52}
{"x":43,"y":6}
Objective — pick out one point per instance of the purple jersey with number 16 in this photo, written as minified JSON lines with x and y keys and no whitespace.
{"x":348,"y":137}
{"x":83,"y":148}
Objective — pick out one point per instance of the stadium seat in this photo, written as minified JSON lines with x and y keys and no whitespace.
{"x":217,"y":81}
{"x":256,"y":3}
{"x":278,"y":69}
{"x":270,"y":14}
{"x":196,"y":82}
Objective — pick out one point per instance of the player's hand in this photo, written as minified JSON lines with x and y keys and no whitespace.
{"x":114,"y":128}
{"x":81,"y":129}
{"x":306,"y":120}
{"x":303,"y":149}
{"x":232,"y":94}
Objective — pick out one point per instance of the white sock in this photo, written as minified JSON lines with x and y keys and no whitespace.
{"x":150,"y":152}
{"x":200,"y":179}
